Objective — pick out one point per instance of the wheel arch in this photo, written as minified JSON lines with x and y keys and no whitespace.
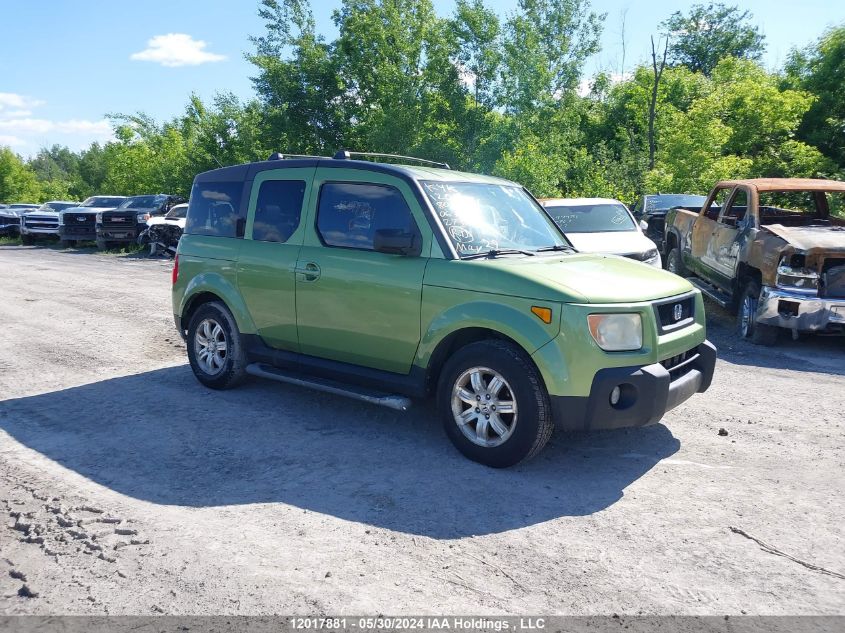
{"x":211,"y":287}
{"x":459,"y":338}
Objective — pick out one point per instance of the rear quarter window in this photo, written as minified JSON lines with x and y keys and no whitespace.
{"x":214,"y":209}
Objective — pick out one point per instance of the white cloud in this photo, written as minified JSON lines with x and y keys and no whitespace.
{"x":12,"y":104}
{"x":11,"y":141}
{"x":176,"y":49}
{"x":24,"y":133}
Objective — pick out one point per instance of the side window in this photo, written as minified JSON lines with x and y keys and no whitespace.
{"x":736,"y":209}
{"x":349,"y":214}
{"x":277,"y":210}
{"x":718,"y":202}
{"x":214,"y":209}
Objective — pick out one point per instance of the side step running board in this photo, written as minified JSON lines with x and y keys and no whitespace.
{"x":391,"y":401}
{"x":714,"y":293}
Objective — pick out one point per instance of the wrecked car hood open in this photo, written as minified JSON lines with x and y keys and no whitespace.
{"x":806,"y":238}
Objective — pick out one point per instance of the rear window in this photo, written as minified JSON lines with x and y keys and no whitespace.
{"x":214,"y":209}
{"x":277,"y":210}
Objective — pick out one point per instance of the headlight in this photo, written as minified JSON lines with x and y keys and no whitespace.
{"x":651,"y":257}
{"x":800,"y":279}
{"x":99,"y":218}
{"x":143,"y":217}
{"x":617,"y":332}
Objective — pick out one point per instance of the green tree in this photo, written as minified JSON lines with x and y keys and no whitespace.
{"x":18,"y":183}
{"x":709,"y":33}
{"x":546,"y":43}
{"x":820,"y":70}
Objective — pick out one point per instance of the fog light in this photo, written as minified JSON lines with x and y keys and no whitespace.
{"x":615,"y":395}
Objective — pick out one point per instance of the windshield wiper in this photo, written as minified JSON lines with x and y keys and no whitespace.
{"x":495,"y":252}
{"x":555,"y":247}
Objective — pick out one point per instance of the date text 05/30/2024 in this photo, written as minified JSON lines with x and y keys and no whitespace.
{"x":428,"y":623}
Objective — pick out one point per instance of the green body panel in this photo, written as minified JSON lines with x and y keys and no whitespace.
{"x":391,"y":312}
{"x":570,"y":361}
{"x":365,"y":306}
{"x":578,"y":278}
{"x":203,"y":269}
{"x":447,"y":310}
{"x":265,"y":270}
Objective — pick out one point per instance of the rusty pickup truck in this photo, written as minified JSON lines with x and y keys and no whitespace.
{"x":772,"y":250}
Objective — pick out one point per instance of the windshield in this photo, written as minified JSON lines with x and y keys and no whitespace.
{"x":592,"y":218}
{"x":666,"y":202}
{"x":480,"y":217}
{"x":177,"y":212}
{"x":142,"y":202}
{"x":101,"y":202}
{"x":56,"y":206}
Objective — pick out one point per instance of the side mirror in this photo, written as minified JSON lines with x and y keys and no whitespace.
{"x":397,"y":242}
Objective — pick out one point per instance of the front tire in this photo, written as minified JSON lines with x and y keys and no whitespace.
{"x":494,"y":406}
{"x":675,"y":264}
{"x":27,"y":240}
{"x":215,"y":351}
{"x":747,"y":327}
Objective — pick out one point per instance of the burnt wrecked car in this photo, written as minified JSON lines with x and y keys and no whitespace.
{"x":164,"y":232}
{"x":650,"y":211}
{"x":125,"y":224}
{"x":770,"y":249}
{"x":77,"y":223}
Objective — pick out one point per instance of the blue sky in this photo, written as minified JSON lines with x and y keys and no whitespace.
{"x":64,"y":65}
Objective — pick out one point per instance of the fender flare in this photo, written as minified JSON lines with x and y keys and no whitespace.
{"x":216,"y":284}
{"x":523,"y":327}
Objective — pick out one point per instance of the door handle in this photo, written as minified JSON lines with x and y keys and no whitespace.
{"x":308,"y":272}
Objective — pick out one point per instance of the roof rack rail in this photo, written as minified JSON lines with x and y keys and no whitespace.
{"x":281,"y":156}
{"x":346,"y":154}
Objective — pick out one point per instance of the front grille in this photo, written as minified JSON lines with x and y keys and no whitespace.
{"x":119,"y":220}
{"x":680,"y":364}
{"x":673,"y":314}
{"x":9,"y":220}
{"x":82,"y":219}
{"x":40,"y":222}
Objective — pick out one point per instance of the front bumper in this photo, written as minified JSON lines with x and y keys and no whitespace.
{"x":39,"y":232}
{"x":647,"y":393}
{"x":120,"y":234}
{"x":9,"y":229}
{"x":797,"y":311}
{"x":80,"y":232}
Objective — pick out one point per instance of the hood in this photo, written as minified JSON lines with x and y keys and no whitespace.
{"x":573,"y":278}
{"x":86,"y":210}
{"x":47,"y":213}
{"x":805,"y":238}
{"x":108,"y":209}
{"x":611,"y":242}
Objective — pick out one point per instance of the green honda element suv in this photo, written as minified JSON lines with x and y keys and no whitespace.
{"x":386,"y":282}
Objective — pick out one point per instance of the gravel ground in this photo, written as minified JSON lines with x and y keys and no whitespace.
{"x":128,"y":488}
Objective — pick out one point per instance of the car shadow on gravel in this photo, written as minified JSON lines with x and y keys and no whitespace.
{"x":161,"y":437}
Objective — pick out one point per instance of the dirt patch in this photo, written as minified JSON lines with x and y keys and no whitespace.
{"x":128,"y":488}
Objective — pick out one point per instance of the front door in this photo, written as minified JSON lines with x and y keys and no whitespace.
{"x":354,"y":304}
{"x":272,"y":239}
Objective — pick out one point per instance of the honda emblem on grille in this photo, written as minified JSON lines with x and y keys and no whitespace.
{"x":678,"y":311}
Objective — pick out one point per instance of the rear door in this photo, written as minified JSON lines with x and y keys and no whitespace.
{"x":354,"y":304}
{"x":272,"y":239}
{"x":728,"y":238}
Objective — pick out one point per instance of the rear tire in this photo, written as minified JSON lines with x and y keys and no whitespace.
{"x":675,"y":263}
{"x":213,"y":327}
{"x":747,"y":327}
{"x":493,"y":403}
